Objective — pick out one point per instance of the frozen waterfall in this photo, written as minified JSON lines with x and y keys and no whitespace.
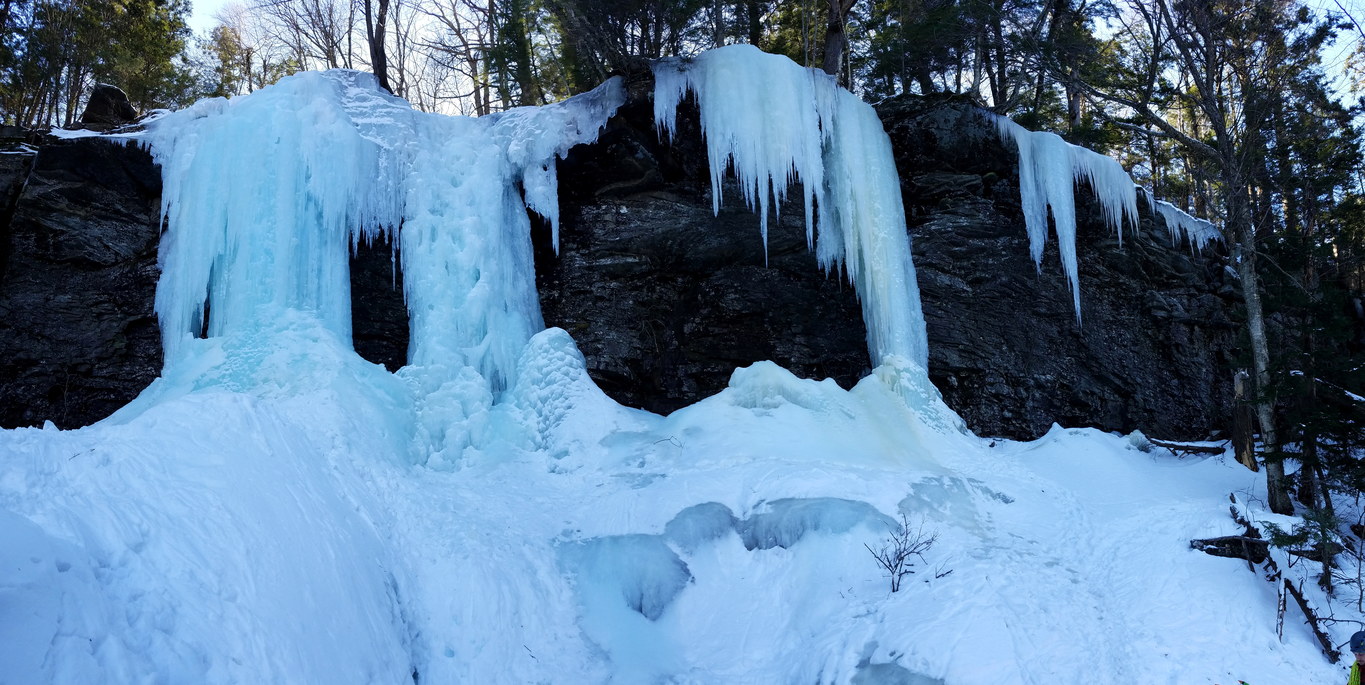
{"x":320,"y":161}
{"x":775,"y":123}
{"x":265,"y":195}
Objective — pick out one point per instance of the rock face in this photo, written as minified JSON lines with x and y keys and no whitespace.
{"x":665,"y":299}
{"x":1154,"y":346}
{"x":77,"y":277}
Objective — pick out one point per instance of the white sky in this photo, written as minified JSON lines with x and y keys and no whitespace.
{"x":201,"y":14}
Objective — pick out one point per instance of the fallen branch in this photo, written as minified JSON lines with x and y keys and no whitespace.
{"x":1183,"y":448}
{"x":1282,"y":586}
{"x":1313,"y":622}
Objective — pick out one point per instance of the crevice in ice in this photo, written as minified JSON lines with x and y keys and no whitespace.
{"x":775,"y":123}
{"x":779,"y":523}
{"x":637,"y":572}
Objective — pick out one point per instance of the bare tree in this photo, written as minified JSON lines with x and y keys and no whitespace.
{"x":376,"y":33}
{"x":461,"y":42}
{"x":897,"y":553}
{"x":317,"y":30}
{"x":1233,"y":60}
{"x":250,"y":48}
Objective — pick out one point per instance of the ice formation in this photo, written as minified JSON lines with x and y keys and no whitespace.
{"x":775,"y":122}
{"x":322,"y":160}
{"x":267,"y":529}
{"x":1048,"y":170}
{"x":1182,"y":226}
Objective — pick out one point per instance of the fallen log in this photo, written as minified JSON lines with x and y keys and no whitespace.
{"x":1254,"y":550}
{"x":1183,"y":448}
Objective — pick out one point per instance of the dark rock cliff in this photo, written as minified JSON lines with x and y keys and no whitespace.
{"x":1153,"y":350}
{"x":77,"y":277}
{"x":665,"y":299}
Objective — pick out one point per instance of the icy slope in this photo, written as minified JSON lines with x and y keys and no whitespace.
{"x":280,"y":535}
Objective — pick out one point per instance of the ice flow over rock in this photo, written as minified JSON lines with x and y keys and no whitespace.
{"x":321,"y":161}
{"x":775,"y":122}
{"x":1049,"y":168}
{"x":264,"y":195}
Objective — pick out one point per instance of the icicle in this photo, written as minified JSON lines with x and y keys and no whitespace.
{"x":1048,"y":170}
{"x":535,"y":136}
{"x":1182,"y":226}
{"x":776,"y":122}
{"x":760,"y":113}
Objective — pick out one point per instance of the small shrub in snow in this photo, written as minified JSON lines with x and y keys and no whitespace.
{"x":898,"y":551}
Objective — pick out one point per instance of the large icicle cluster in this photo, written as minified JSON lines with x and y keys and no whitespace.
{"x":1048,"y":170}
{"x":265,"y":194}
{"x":776,"y":122}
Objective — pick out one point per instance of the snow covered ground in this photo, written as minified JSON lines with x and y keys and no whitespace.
{"x":275,"y":509}
{"x":282,"y":534}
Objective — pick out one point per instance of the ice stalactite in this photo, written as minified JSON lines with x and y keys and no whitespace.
{"x":776,"y":123}
{"x":1048,"y":170}
{"x":1182,"y":226}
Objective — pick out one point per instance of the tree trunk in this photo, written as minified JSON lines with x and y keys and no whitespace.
{"x":1244,"y":251}
{"x":376,"y":19}
{"x":1243,"y":421}
{"x":755,"y":16}
{"x":835,"y":39}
